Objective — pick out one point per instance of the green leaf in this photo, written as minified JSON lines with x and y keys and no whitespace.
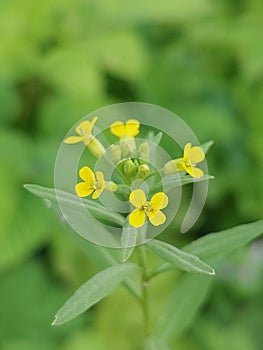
{"x":215,"y":246}
{"x":185,"y":301}
{"x":206,"y":146}
{"x":72,"y":201}
{"x":178,"y":258}
{"x":104,"y":257}
{"x":172,"y":181}
{"x":224,"y":242}
{"x":128,"y":241}
{"x":93,"y":291}
{"x":155,"y":139}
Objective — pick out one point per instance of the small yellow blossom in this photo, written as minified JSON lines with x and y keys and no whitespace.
{"x":192,"y":156}
{"x":144,"y":208}
{"x":126,"y":131}
{"x":92,"y":184}
{"x":84,"y":130}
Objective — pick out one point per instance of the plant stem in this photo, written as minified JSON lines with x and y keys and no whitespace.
{"x":145,"y":290}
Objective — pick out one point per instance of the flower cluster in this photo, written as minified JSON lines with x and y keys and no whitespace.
{"x":131,"y":163}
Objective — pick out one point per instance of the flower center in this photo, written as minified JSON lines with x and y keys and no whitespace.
{"x":147,"y":208}
{"x":97,"y":186}
{"x":188,"y":163}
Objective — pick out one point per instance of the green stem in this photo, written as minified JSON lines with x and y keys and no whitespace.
{"x":145,"y":290}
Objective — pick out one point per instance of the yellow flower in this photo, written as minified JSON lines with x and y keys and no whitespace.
{"x":144,"y":208}
{"x":84,"y":129}
{"x":125,"y":131}
{"x":192,"y":156}
{"x":93,"y":185}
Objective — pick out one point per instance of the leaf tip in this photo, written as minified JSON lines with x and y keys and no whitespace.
{"x":54,"y":323}
{"x":213,"y":273}
{"x":124,"y":259}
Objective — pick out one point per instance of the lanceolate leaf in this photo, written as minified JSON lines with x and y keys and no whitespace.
{"x":93,"y":291}
{"x":105,"y":257}
{"x":215,"y":246}
{"x":206,"y":146}
{"x":73,"y":202}
{"x":180,"y":259}
{"x":224,"y":242}
{"x":172,"y":181}
{"x":128,"y":241}
{"x":191,"y":291}
{"x":102,"y":257}
{"x":185,"y":301}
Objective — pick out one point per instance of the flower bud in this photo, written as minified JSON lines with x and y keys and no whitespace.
{"x":144,"y":171}
{"x":125,"y":151}
{"x":111,"y":186}
{"x":95,"y":147}
{"x":130,"y":169}
{"x":144,"y":152}
{"x":115,"y":153}
{"x":173,"y":166}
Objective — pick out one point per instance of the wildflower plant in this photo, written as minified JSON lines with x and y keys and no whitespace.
{"x":119,"y":185}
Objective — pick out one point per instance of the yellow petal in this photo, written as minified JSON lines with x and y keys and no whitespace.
{"x":97,"y":193}
{"x":187,"y":149}
{"x":196,"y":155}
{"x":118,"y":129}
{"x":157,"y":218}
{"x":86,"y":174}
{"x":194,"y":172}
{"x":93,"y":122}
{"x":83,"y":190}
{"x":100,"y":178}
{"x":73,"y":139}
{"x":137,"y":198}
{"x":159,"y":201}
{"x":132,"y":127}
{"x":137,"y":218}
{"x":84,"y":128}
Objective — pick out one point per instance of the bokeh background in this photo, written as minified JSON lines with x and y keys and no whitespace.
{"x":60,"y":60}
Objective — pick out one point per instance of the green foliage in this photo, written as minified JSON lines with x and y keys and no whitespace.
{"x":214,"y":247}
{"x":93,"y":291}
{"x":72,"y":201}
{"x":61,"y":60}
{"x":178,"y":258}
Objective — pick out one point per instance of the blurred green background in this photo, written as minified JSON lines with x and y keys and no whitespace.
{"x":60,"y":60}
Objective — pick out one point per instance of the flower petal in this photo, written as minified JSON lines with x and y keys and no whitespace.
{"x":118,"y":129}
{"x":84,"y":128}
{"x":194,"y":172}
{"x":196,"y":154}
{"x":132,"y":127}
{"x":83,"y":190}
{"x":93,"y":122}
{"x":137,"y":198}
{"x":100,"y":178}
{"x":137,"y":218}
{"x":73,"y":139}
{"x":86,"y":174}
{"x":157,"y":218}
{"x":97,"y":193}
{"x":159,"y":201}
{"x":187,"y":149}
